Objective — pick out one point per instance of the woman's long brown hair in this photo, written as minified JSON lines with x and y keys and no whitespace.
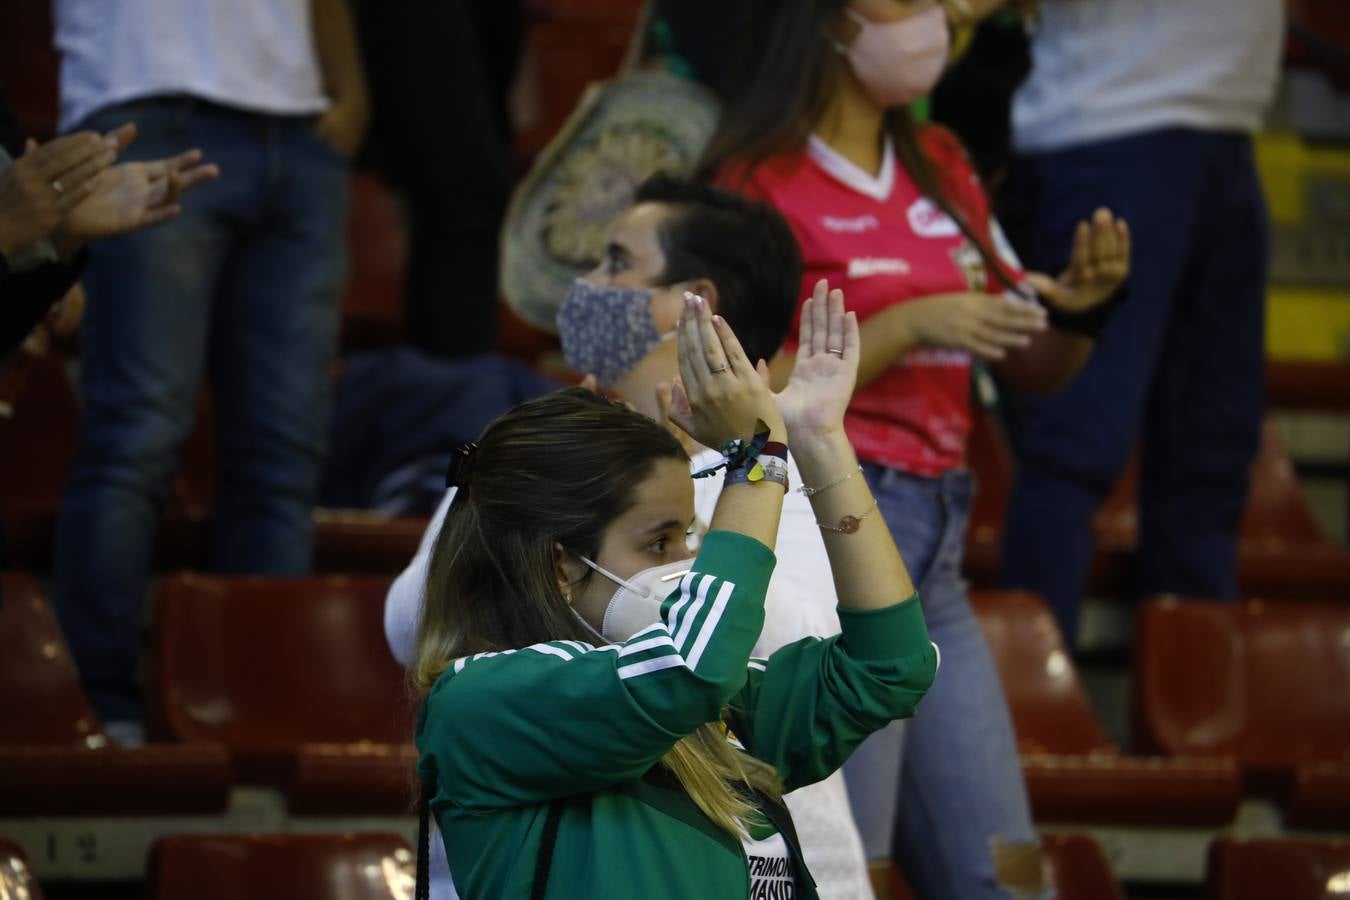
{"x":556,"y":470}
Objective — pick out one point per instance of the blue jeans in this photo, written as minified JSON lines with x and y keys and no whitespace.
{"x":1179,"y":370}
{"x":244,"y":287}
{"x":939,"y":790}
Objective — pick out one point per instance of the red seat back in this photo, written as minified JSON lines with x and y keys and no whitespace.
{"x":1288,"y":870}
{"x":1076,"y":865}
{"x":282,"y":867}
{"x":266,"y":665}
{"x":1049,"y":706}
{"x":41,"y":702}
{"x":1267,"y":683}
{"x":1276,"y":514}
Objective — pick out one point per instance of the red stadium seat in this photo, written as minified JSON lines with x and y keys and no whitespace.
{"x":295,"y":678}
{"x":1283,"y":551}
{"x":1074,"y":772}
{"x":1267,"y":683}
{"x":282,"y":867}
{"x":16,"y":881}
{"x":990,"y":458}
{"x":377,"y":243}
{"x":54,"y":757}
{"x":1284,"y":869}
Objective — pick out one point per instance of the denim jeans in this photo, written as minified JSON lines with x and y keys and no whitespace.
{"x":939,"y":790}
{"x":1178,"y":372}
{"x":244,"y":288}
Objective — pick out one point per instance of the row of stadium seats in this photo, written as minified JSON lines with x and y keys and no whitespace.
{"x":289,"y":684}
{"x":1285,"y":554}
{"x":380,"y":867}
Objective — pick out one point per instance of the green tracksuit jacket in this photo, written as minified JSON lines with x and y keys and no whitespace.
{"x":503,"y":735}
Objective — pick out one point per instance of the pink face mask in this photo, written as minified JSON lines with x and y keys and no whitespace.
{"x":899,"y":62}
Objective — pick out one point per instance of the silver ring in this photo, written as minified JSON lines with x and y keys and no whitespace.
{"x":56,"y":186}
{"x":718,"y":370}
{"x":838,"y":353}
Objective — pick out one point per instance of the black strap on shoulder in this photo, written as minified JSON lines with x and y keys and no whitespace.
{"x":423,"y":891}
{"x":544,"y":862}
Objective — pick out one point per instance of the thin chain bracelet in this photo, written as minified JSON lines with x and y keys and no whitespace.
{"x":811,"y":492}
{"x":849,"y":524}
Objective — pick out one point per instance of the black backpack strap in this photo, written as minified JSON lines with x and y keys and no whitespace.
{"x":544,"y":862}
{"x":423,"y":891}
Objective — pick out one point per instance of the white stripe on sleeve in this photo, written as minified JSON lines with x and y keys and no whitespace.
{"x":709,"y":626}
{"x":647,"y":666}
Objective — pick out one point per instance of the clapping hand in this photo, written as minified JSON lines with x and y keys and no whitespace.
{"x":818,"y":393}
{"x":135,"y":195}
{"x":720,"y":395}
{"x":41,"y":187}
{"x":1098,"y":266}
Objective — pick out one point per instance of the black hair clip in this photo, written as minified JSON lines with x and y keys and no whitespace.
{"x":461,"y":466}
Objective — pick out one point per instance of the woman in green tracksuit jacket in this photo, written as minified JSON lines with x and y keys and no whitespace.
{"x":582,"y":741}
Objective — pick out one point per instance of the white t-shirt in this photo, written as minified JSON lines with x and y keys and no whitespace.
{"x":770,"y":865}
{"x":800,"y":603}
{"x":257,"y":56}
{"x":1107,"y":68}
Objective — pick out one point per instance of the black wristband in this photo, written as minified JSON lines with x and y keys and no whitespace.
{"x":1089,"y":324}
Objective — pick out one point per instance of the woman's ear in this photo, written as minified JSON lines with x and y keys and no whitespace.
{"x":567,"y":569}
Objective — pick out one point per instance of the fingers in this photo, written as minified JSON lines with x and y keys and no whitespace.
{"x":1015,"y":315}
{"x":1080,"y":259}
{"x":58,"y":158}
{"x":590,"y":384}
{"x":1104,"y":245}
{"x":690,"y":350}
{"x":820,"y":317}
{"x":852,"y":340}
{"x":835,"y":317}
{"x":199,"y":175}
{"x":714,"y":356}
{"x":82,"y":176}
{"x":681,"y":412}
{"x":805,"y":332}
{"x":122,"y":136}
{"x":734,"y":353}
{"x":1044,"y":285}
{"x":762,"y":370}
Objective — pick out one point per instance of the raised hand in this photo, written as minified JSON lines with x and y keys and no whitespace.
{"x":720,"y":395}
{"x":136,"y":195}
{"x":43,"y":185}
{"x":826,"y":369}
{"x":1099,"y":265}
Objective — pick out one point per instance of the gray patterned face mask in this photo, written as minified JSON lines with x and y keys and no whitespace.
{"x":606,"y":331}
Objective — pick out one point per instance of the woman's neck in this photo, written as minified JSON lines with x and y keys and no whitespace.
{"x":853,"y":125}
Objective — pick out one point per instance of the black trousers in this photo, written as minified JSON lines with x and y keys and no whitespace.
{"x":439,"y":73}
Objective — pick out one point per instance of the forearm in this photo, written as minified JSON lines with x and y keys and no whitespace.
{"x":340,"y":61}
{"x":1048,"y":364}
{"x":868,"y":571}
{"x":886,"y":338}
{"x":751,"y":509}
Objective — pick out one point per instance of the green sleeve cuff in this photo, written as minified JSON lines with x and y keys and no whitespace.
{"x":887,"y":633}
{"x":734,"y":557}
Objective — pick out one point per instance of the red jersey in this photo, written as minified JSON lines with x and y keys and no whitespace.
{"x":883,"y":242}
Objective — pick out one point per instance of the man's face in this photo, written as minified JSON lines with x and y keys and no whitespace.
{"x":633,"y":258}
